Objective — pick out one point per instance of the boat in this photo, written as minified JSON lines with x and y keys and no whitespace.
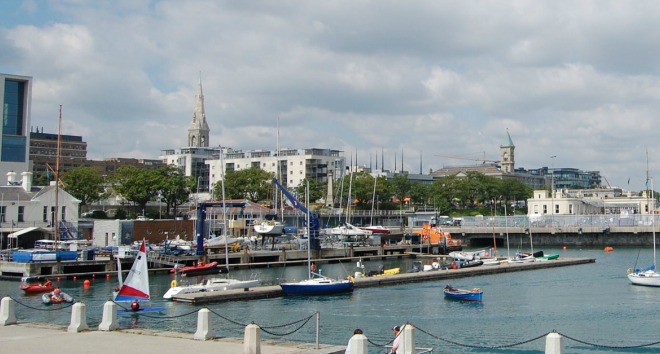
{"x":458,"y":264}
{"x":377,"y":229}
{"x":201,"y":269}
{"x":37,"y":288}
{"x":208,"y":285}
{"x":315,"y":284}
{"x":467,"y":256}
{"x":474,"y":294}
{"x":548,"y":257}
{"x":56,"y":297}
{"x":269,"y":227}
{"x":348,"y":231}
{"x":647,"y":276}
{"x":135,"y":288}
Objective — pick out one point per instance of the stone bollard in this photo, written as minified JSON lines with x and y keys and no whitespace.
{"x":7,"y":314}
{"x":407,"y":341}
{"x":78,"y":318}
{"x":252,"y":339}
{"x":203,"y":325}
{"x":359,"y":344}
{"x":109,"y":320}
{"x":553,"y":344}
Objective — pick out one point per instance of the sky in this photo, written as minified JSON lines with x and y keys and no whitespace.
{"x":575,"y":83}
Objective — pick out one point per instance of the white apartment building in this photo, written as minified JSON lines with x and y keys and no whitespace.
{"x":295,"y":165}
{"x":588,"y":201}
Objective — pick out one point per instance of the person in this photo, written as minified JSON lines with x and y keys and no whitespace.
{"x":313,"y":267}
{"x":135,"y":305}
{"x":348,"y":347}
{"x":48,"y":282}
{"x":56,"y":295}
{"x":395,"y":344}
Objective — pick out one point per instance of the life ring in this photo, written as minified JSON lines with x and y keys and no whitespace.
{"x":173,"y":284}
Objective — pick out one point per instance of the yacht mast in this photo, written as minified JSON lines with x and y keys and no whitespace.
{"x":57,"y":180}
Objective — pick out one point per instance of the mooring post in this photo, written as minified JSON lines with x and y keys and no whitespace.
{"x":407,"y":341}
{"x":109,"y":319}
{"x":318,"y":329}
{"x":78,"y":318}
{"x":252,"y":339}
{"x":203,"y":325}
{"x":7,"y":314}
{"x":359,"y":344}
{"x":553,"y":344}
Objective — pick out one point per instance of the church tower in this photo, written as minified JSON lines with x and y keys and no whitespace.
{"x":198,"y":132}
{"x":506,"y":154}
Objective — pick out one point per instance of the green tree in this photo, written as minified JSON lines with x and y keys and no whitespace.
{"x":137,"y":185}
{"x":253,"y":184}
{"x":174,"y":187}
{"x":85,"y":184}
{"x":316,"y":190}
{"x":401,"y":188}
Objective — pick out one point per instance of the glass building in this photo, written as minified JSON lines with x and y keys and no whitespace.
{"x":15,"y":97}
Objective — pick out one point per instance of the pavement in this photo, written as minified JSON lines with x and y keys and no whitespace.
{"x":33,"y":338}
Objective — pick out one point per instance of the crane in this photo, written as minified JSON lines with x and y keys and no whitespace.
{"x":313,"y":222}
{"x":467,"y":157}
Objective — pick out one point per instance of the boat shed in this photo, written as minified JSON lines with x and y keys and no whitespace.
{"x":27,"y":237}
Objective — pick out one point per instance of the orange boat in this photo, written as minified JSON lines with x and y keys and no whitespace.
{"x":436,"y":236}
{"x":36,"y":288}
{"x":609,"y":249}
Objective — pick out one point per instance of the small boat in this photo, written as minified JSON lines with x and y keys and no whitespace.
{"x":37,"y":288}
{"x":467,"y":256}
{"x":56,"y":297}
{"x":211,"y":284}
{"x":200,"y":269}
{"x":475,"y":294}
{"x":377,"y":229}
{"x":135,"y":287}
{"x":548,"y":257}
{"x":465,"y":264}
{"x":269,"y":227}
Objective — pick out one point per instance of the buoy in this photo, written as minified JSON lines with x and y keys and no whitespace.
{"x":87,"y":282}
{"x":75,"y":277}
{"x":93,"y":276}
{"x":564,"y":248}
{"x":107,"y":276}
{"x":608,"y":249}
{"x":58,"y":278}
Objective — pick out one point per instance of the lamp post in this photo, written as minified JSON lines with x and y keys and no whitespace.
{"x":552,"y":191}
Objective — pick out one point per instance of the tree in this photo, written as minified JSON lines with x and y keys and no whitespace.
{"x":401,"y":187}
{"x":316,"y":190}
{"x":138,"y":185}
{"x":174,"y":187}
{"x":85,"y":184}
{"x":253,"y":184}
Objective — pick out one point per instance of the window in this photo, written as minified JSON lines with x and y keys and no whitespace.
{"x":556,"y":208}
{"x":45,"y":214}
{"x":63,"y":218}
{"x":570,"y":208}
{"x":3,"y":211}
{"x":21,"y":212}
{"x":545,"y":209}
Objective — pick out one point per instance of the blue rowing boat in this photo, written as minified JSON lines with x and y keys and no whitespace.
{"x":475,"y":294}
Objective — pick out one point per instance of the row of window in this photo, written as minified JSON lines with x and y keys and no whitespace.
{"x":20,"y":217}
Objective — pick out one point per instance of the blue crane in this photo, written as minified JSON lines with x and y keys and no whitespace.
{"x":313,"y":222}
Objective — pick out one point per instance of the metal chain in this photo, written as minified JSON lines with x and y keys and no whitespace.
{"x":607,"y":346}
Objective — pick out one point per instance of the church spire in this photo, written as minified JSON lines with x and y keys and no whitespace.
{"x":198,"y":132}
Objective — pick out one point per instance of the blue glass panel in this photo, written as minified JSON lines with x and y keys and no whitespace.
{"x":13,"y":148}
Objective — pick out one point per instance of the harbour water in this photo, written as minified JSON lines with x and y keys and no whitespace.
{"x":593,"y":303}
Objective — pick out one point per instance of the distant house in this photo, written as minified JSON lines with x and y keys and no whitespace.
{"x":24,"y":206}
{"x":588,"y":201}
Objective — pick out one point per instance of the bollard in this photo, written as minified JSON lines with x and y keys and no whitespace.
{"x":78,"y":318}
{"x":109,"y":320}
{"x":407,"y":342}
{"x":252,"y":339}
{"x":203,"y":325}
{"x":359,"y":344}
{"x":7,"y":314}
{"x":553,"y":344}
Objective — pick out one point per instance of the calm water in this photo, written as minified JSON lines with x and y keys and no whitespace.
{"x":594,"y":303}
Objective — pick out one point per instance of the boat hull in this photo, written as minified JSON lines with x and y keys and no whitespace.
{"x":211,"y":285}
{"x":311,"y":288}
{"x":463,"y":295}
{"x":49,"y":300}
{"x":36,"y":288}
{"x":210,"y":268}
{"x":648,"y":278}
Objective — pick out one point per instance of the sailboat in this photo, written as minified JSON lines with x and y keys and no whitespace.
{"x":214,"y":284}
{"x":647,"y":276}
{"x":315,"y":284}
{"x":135,"y":288}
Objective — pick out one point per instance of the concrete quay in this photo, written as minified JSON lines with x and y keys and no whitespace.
{"x":264,"y":292}
{"x":43,"y":338}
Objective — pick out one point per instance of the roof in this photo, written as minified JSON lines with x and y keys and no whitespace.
{"x":25,"y":231}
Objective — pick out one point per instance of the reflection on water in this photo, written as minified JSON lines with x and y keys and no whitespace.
{"x":592,"y":302}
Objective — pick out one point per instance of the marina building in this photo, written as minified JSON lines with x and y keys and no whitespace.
{"x":589,"y":202}
{"x":16,"y":100}
{"x":43,"y":152}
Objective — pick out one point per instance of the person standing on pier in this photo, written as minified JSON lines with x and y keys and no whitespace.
{"x":395,"y":344}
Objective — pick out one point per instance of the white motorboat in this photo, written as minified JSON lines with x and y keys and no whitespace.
{"x":270,"y":227}
{"x":467,"y":256}
{"x":348,"y":230}
{"x":210,"y":284}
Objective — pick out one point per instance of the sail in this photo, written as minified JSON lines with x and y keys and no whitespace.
{"x":136,"y":285}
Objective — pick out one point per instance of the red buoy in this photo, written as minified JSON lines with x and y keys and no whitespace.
{"x":87,"y":283}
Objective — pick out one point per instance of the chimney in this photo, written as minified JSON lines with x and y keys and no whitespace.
{"x":11,"y":178}
{"x":27,"y":181}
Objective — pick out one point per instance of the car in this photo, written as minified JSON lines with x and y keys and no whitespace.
{"x":142,"y":218}
{"x":95,"y":214}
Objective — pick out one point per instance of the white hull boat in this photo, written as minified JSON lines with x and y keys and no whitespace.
{"x":211,"y":284}
{"x":270,"y":227}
